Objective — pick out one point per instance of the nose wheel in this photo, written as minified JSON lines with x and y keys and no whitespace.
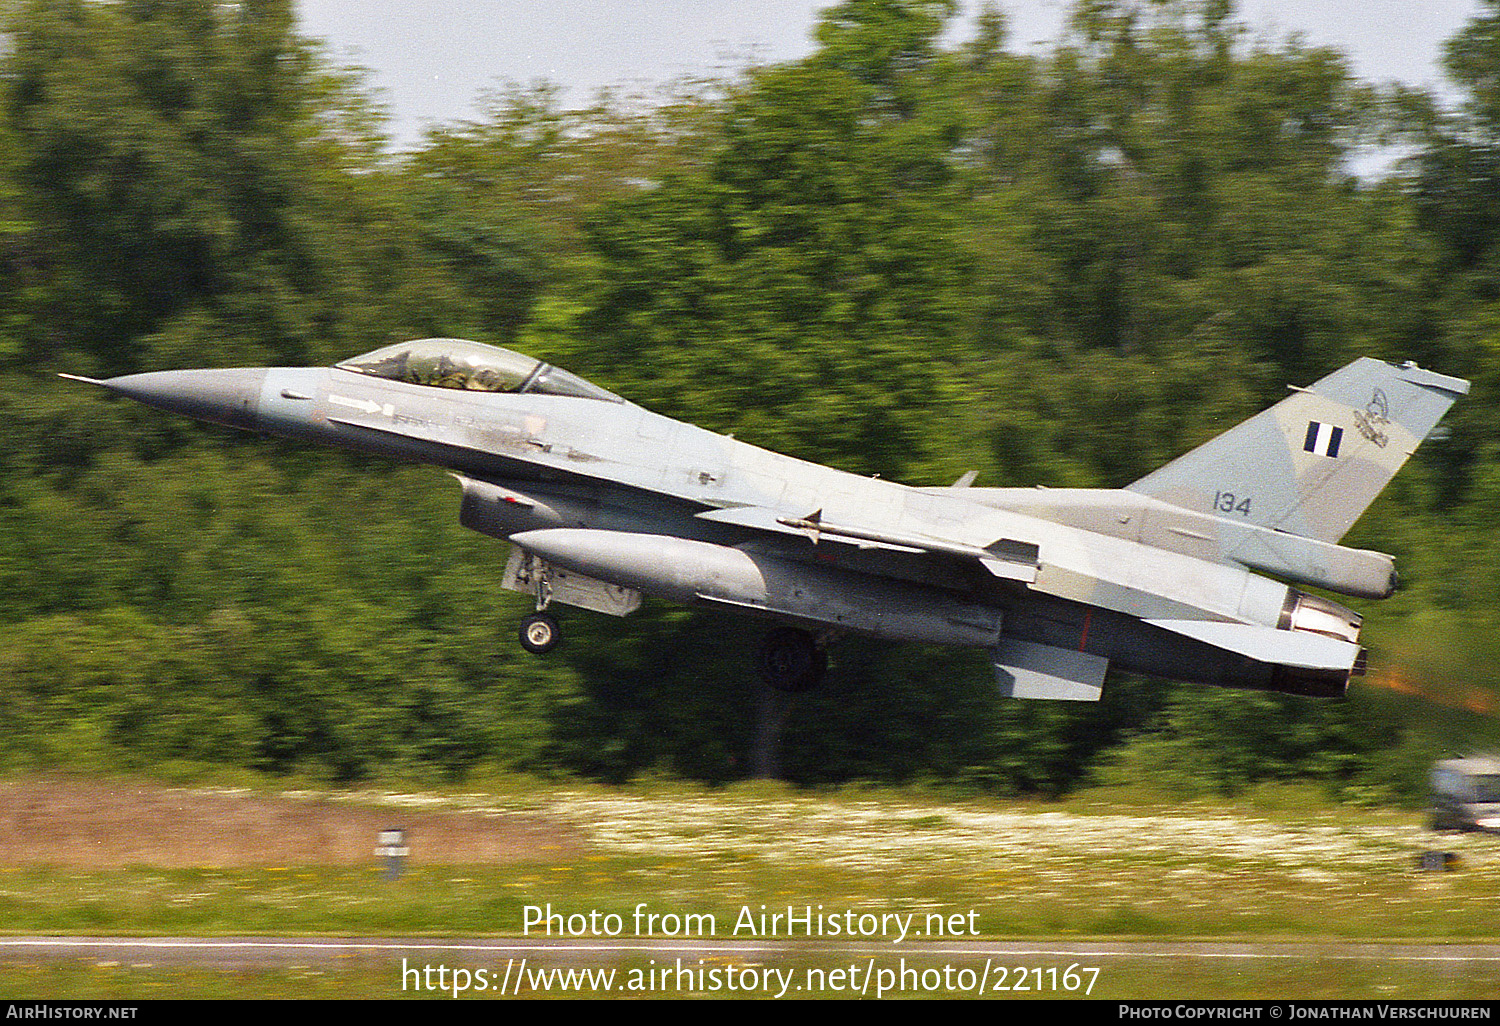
{"x":791,"y":660}
{"x":539,"y":633}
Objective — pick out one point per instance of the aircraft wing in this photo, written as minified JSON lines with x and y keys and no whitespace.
{"x":1005,"y":558}
{"x":769,"y":520}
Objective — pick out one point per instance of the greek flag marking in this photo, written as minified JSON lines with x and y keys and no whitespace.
{"x":1322,"y":439}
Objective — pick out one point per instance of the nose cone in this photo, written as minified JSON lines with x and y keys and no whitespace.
{"x":229,"y":397}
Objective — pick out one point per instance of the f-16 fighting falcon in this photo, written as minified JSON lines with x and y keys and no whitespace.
{"x":604,"y":502}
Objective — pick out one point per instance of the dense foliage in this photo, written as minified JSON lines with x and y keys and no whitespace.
{"x":895,"y":256}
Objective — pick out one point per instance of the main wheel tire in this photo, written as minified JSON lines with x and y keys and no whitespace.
{"x":539,"y":634}
{"x":789,"y":660}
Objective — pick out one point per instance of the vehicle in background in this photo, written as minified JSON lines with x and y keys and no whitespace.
{"x":1466,"y":794}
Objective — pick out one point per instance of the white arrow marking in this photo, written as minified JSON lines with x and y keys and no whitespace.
{"x":363,"y":405}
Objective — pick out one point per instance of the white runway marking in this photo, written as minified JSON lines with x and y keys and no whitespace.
{"x":266,"y":950}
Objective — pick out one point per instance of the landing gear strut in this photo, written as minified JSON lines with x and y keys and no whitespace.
{"x":539,"y":633}
{"x":790,"y":659}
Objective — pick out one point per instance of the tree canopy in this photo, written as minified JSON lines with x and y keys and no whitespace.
{"x":899,"y":255}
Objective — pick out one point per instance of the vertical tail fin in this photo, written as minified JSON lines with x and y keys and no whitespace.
{"x":1313,"y":463}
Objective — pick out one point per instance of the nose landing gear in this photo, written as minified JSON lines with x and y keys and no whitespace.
{"x":539,"y":633}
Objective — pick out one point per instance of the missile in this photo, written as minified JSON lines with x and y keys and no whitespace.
{"x":702,"y":573}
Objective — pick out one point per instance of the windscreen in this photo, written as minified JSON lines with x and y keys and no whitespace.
{"x":472,"y":366}
{"x":448,"y":363}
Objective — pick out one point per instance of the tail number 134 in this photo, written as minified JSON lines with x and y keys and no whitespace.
{"x":1229,"y":502}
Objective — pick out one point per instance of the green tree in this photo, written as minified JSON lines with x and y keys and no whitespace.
{"x":893,"y":256}
{"x":815,"y":248}
{"x":200,"y":180}
{"x":1170,"y":233}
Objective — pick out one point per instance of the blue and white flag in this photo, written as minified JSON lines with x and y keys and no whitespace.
{"x":1323,"y":439}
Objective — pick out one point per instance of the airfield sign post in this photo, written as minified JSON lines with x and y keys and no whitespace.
{"x":394,"y":850}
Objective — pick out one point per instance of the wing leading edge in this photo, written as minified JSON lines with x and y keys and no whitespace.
{"x":1004,"y":558}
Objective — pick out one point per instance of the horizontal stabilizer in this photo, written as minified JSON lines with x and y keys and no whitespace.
{"x":1302,"y":649}
{"x":1025,"y":669}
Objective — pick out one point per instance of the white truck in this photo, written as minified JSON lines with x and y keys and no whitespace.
{"x":1466,"y":794}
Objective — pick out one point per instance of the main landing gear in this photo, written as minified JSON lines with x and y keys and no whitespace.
{"x":790,"y":659}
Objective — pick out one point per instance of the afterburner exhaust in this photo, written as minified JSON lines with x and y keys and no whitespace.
{"x":1312,"y":614}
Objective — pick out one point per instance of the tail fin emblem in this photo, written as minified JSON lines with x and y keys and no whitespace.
{"x":1373,"y":417}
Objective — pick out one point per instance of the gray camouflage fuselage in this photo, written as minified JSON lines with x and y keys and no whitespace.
{"x":1058,"y":583}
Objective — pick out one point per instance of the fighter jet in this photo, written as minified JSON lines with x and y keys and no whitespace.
{"x":604,"y":502}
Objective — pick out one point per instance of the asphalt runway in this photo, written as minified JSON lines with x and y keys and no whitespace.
{"x":326,"y":952}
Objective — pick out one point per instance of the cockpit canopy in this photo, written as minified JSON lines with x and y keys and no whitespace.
{"x":472,"y":366}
